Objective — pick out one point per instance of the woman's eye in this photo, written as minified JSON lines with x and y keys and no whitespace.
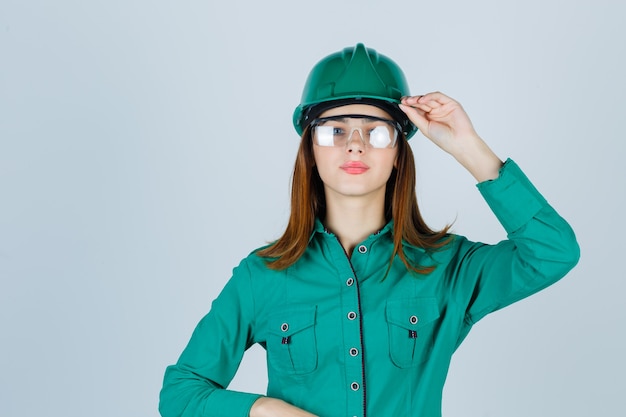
{"x":337,"y":131}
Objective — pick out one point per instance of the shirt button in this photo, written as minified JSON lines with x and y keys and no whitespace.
{"x":354,"y":352}
{"x":349,"y":282}
{"x":362,"y":248}
{"x":351,"y":315}
{"x":284,"y":327}
{"x":355,"y":386}
{"x":413,"y":319}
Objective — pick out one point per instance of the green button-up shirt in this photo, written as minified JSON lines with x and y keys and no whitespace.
{"x":343,"y":341}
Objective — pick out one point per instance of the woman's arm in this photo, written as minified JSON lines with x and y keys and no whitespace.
{"x":541,"y":247}
{"x":196,"y":385}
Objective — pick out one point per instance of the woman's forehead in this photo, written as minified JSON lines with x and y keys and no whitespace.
{"x":363,"y":109}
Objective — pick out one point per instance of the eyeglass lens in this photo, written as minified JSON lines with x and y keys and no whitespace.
{"x":376,"y":134}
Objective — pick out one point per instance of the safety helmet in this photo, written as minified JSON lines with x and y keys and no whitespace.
{"x":355,"y":75}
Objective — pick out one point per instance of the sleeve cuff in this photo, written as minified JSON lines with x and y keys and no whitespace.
{"x":512,"y":197}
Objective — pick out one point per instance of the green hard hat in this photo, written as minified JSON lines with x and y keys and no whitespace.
{"x":355,"y":75}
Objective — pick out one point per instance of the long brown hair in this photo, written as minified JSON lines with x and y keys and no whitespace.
{"x":308,"y":202}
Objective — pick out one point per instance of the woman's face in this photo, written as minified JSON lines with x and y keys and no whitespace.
{"x":354,"y":167}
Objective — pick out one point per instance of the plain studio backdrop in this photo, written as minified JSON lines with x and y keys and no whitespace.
{"x":147,"y":146}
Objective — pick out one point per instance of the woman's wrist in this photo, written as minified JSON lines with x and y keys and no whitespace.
{"x":479,"y":159}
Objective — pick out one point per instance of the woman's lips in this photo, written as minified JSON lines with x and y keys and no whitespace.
{"x":354,"y":167}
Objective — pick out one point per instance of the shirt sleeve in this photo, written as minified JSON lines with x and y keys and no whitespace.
{"x":541,"y":248}
{"x":195,"y":385}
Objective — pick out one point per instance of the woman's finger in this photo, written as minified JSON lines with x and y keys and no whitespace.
{"x":435,"y":97}
{"x":414,"y":102}
{"x":417,"y":116}
{"x":410,"y":100}
{"x":424,"y":107}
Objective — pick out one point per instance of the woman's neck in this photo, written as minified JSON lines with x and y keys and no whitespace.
{"x":353,"y":219}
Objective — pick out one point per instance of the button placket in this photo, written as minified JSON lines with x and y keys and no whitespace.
{"x":352,"y":332}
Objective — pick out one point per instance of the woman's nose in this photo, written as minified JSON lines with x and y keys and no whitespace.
{"x":356,"y":144}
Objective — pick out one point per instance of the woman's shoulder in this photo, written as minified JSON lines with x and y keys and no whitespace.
{"x":255,"y":264}
{"x":450,"y":247}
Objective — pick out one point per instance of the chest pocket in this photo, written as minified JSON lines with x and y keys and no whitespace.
{"x":411,"y":324}
{"x":291,"y":342}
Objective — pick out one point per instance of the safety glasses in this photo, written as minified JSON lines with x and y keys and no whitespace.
{"x":338,"y":131}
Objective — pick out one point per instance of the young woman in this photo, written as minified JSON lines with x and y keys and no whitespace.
{"x":359,"y":304}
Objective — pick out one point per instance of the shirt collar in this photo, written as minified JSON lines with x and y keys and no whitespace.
{"x":320,"y":228}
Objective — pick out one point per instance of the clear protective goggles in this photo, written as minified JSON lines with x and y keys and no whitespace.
{"x":338,"y":131}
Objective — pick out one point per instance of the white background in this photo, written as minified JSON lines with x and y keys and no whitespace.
{"x":147,"y":146}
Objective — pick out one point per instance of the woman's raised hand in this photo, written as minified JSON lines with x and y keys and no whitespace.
{"x":444,"y":121}
{"x":439,"y":118}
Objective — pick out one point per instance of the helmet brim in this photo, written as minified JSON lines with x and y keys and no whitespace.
{"x":304,"y":115}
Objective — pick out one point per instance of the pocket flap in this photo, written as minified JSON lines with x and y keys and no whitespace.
{"x":412,"y":313}
{"x":292,"y":320}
